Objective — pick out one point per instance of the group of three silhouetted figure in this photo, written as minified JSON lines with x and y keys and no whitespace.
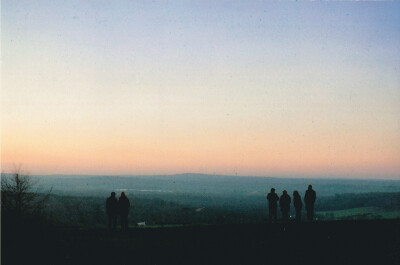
{"x":117,"y":207}
{"x":284,"y":204}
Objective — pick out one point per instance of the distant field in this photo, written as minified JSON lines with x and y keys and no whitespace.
{"x":361,"y":213}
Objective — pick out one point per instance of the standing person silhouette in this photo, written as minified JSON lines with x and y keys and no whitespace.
{"x":112,"y":211}
{"x":297,"y":205}
{"x":273,"y":199}
{"x":124,"y":205}
{"x":284,"y":204}
{"x":309,"y":199}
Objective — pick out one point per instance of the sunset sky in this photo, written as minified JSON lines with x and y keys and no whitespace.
{"x":235,"y":87}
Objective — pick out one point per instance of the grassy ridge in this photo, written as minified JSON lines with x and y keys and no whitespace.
{"x":335,"y":242}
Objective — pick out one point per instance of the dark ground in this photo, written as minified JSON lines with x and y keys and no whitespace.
{"x":338,"y":242}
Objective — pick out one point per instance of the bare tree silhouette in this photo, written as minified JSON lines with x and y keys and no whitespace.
{"x":18,"y":194}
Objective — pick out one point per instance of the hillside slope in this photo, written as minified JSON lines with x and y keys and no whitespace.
{"x":344,"y":242}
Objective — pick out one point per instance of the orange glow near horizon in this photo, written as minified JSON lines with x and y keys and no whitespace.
{"x":222,"y":151}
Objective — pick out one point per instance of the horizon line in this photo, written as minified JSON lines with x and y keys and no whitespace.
{"x":216,"y":175}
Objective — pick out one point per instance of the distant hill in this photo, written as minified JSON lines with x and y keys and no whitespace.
{"x":199,"y":184}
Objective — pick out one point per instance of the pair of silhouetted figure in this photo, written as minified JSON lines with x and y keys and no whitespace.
{"x":284,"y":204}
{"x":116,"y":207}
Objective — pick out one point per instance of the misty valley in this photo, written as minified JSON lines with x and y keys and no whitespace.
{"x":210,"y":199}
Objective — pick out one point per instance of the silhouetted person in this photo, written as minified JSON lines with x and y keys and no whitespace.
{"x":124,"y":205}
{"x":297,"y":205}
{"x":273,"y":199}
{"x":309,"y":199}
{"x":284,"y":204}
{"x":112,"y":211}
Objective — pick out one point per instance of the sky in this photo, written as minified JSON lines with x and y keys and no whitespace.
{"x":291,"y":89}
